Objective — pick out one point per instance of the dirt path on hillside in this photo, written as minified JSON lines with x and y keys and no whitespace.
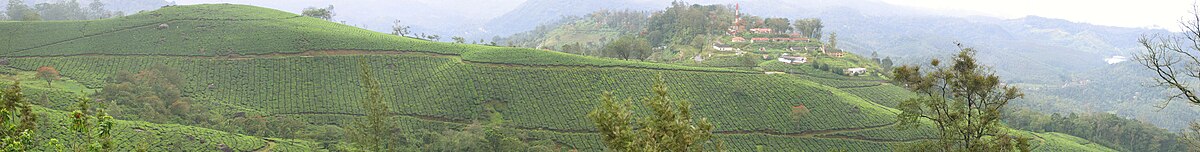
{"x":270,"y":145}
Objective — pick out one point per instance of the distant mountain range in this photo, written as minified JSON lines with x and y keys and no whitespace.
{"x":1041,"y":54}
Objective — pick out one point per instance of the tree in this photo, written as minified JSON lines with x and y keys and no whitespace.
{"x":373,"y":130}
{"x":964,"y":100}
{"x":809,"y":27}
{"x":433,"y":37}
{"x":153,"y":94}
{"x":1173,"y":58}
{"x":670,"y":128}
{"x":62,"y":10}
{"x":17,"y":119}
{"x":321,"y":13}
{"x":17,"y":9}
{"x":31,"y":15}
{"x":1174,"y":62}
{"x":459,"y":39}
{"x":47,"y":73}
{"x":833,"y":40}
{"x":779,"y":25}
{"x":628,"y":47}
{"x":886,"y":63}
{"x":400,"y":29}
{"x":96,"y":135}
{"x":97,"y":11}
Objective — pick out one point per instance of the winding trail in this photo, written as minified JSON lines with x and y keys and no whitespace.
{"x":270,"y":145}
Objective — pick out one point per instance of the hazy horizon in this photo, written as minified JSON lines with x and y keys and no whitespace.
{"x":1158,"y":14}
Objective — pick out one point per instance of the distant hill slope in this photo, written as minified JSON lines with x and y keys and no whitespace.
{"x":246,"y":59}
{"x":532,"y":13}
{"x":1032,"y":50}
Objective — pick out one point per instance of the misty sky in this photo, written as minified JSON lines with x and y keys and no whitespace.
{"x":1123,"y":13}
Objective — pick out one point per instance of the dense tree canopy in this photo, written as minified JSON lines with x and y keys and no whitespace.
{"x":154,"y":95}
{"x":1107,"y":129}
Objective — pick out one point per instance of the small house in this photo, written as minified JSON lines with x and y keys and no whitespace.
{"x":738,"y":39}
{"x":794,"y":34}
{"x":759,"y":39}
{"x":834,"y":52}
{"x":855,"y":71}
{"x":724,"y":47}
{"x":761,"y":30}
{"x":793,"y":59}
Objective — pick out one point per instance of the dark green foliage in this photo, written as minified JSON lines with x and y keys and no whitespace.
{"x":964,"y":100}
{"x":374,"y":131}
{"x":1104,"y":128}
{"x":670,"y":128}
{"x":152,"y":94}
{"x":681,"y":22}
{"x":628,"y":47}
{"x":96,"y":135}
{"x":18,"y":121}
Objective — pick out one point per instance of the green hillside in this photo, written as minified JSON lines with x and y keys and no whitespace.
{"x":246,"y":60}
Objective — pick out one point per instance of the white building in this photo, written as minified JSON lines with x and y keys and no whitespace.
{"x":722,"y":47}
{"x":793,"y":59}
{"x":855,"y":71}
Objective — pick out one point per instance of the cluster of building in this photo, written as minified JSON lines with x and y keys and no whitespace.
{"x":794,"y":37}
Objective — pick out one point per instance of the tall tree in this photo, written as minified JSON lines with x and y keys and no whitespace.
{"x":833,"y":40}
{"x":18,"y":120}
{"x":399,"y":29}
{"x":809,"y":27}
{"x":778,"y":25}
{"x":47,"y":73}
{"x":321,"y":13}
{"x":97,"y":134}
{"x":964,"y":100}
{"x":1175,"y":64}
{"x":374,"y":131}
{"x":1173,"y":58}
{"x":97,"y":11}
{"x":16,"y":9}
{"x":458,"y":39}
{"x":671,"y":128}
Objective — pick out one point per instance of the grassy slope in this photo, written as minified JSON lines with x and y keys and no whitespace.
{"x":543,"y":94}
{"x":127,"y":134}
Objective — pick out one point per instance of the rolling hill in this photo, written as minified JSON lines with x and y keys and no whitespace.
{"x":239,"y":59}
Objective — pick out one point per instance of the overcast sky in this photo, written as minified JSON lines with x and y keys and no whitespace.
{"x":1123,"y":13}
